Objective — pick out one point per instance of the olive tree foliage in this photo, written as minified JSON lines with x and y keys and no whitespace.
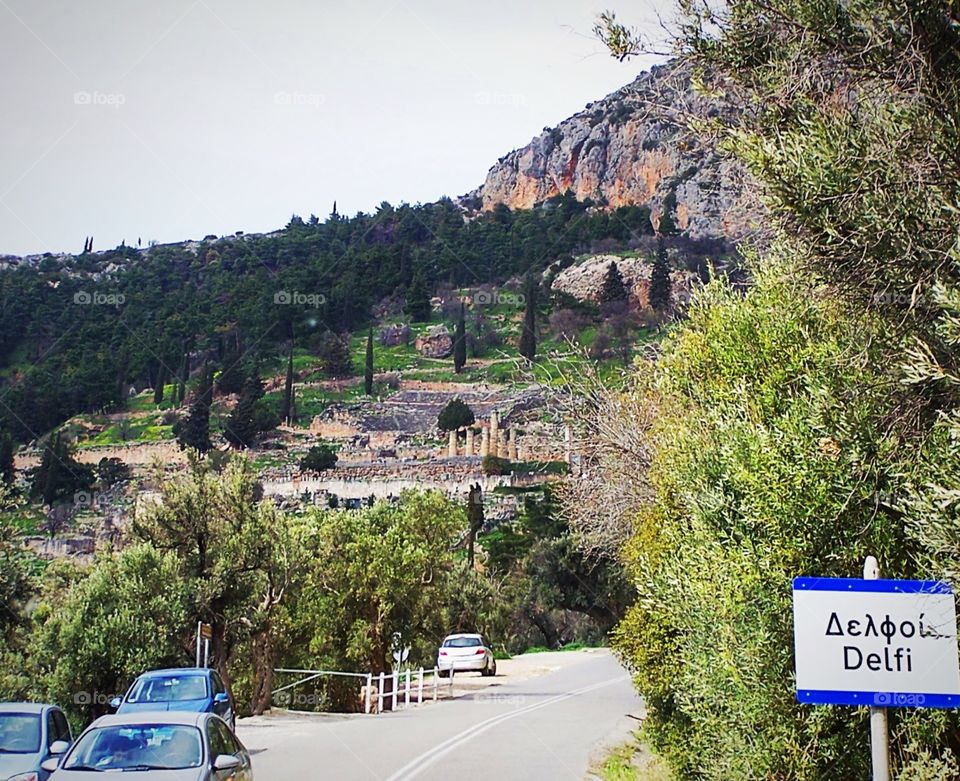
{"x":378,"y":572}
{"x":775,"y":450}
{"x":237,"y":552}
{"x":127,"y":614}
{"x":16,"y":588}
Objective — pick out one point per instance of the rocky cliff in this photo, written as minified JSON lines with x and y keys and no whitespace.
{"x":633,"y":148}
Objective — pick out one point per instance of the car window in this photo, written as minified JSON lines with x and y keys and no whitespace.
{"x":169,"y":688}
{"x":62,"y":726}
{"x":218,"y":686}
{"x":217,"y":737}
{"x":19,"y":733}
{"x":156,"y":746}
{"x":229,"y":740}
{"x":461,"y":642}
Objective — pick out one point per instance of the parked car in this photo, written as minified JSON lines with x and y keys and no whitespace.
{"x":466,"y":652}
{"x":155,"y":746}
{"x":30,"y":733}
{"x":196,"y":689}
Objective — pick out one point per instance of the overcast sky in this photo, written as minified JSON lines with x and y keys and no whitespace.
{"x":174,"y":119}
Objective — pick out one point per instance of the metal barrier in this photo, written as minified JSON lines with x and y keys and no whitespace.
{"x":381,"y":679}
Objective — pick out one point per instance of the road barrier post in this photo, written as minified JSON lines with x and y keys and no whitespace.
{"x":406,"y":691}
{"x":420,"y":687}
{"x":451,"y":682}
{"x":396,"y":684}
{"x":436,"y":682}
{"x":380,"y":695}
{"x":366,"y":698}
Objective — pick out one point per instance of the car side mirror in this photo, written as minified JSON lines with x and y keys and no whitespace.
{"x":226,"y":762}
{"x":115,"y":703}
{"x":59,"y":747}
{"x":50,"y":764}
{"x":221,"y":697}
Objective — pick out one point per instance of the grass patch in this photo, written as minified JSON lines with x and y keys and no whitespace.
{"x":633,"y":762}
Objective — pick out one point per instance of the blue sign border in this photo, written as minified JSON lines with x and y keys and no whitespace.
{"x":877,"y":699}
{"x":882,"y":586}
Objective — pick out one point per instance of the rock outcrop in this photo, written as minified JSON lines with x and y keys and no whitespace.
{"x":633,"y":148}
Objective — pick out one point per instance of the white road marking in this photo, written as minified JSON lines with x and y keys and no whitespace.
{"x":416,"y":766}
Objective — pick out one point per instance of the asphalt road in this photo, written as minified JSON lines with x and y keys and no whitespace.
{"x":545,"y":716}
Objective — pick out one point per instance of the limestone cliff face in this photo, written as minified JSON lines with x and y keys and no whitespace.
{"x":632,"y":148}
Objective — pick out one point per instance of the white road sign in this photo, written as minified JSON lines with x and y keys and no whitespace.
{"x":883,"y":643}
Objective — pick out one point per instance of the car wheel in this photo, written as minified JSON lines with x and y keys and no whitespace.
{"x":493,"y":668}
{"x":443,"y":673}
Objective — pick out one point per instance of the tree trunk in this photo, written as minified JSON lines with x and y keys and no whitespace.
{"x":262,"y":671}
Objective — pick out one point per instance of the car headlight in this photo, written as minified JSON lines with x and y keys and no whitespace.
{"x":33,"y":775}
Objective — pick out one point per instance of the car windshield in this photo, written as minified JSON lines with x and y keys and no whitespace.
{"x":169,"y":688}
{"x":461,"y":642}
{"x":143,"y":746}
{"x":19,"y":733}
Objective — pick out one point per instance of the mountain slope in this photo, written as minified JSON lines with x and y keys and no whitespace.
{"x":631,"y":148}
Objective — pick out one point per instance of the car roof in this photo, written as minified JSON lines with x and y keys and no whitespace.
{"x":151,"y":717}
{"x":464,"y":634}
{"x":25,"y":707}
{"x":169,"y":671}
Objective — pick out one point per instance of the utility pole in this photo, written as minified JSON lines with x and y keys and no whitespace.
{"x":879,"y":730}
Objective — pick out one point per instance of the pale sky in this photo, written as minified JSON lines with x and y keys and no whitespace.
{"x":173,"y":119}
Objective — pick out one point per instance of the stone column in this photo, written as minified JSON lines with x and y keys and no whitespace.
{"x":512,"y":443}
{"x":452,"y":444}
{"x":468,"y":451}
{"x":502,"y":444}
{"x":522,"y":449}
{"x":484,"y":442}
{"x":494,"y":430}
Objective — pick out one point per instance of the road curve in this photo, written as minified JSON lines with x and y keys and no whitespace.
{"x":548,"y":716}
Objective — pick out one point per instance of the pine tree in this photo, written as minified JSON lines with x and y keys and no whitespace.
{"x":613,"y":289}
{"x":528,"y":337}
{"x":368,"y":365}
{"x":48,"y":474}
{"x":460,"y":343}
{"x":660,"y":278}
{"x":286,"y":410}
{"x":7,"y":469}
{"x":418,"y":299}
{"x":668,"y":215}
{"x":194,"y":431}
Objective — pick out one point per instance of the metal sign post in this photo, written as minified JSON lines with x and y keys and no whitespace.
{"x":879,"y":730}
{"x":876,"y":643}
{"x":205,"y":633}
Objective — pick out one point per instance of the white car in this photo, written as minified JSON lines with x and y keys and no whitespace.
{"x":466,"y":652}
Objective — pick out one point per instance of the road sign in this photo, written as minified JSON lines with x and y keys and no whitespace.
{"x":882,"y":643}
{"x":206,"y":631}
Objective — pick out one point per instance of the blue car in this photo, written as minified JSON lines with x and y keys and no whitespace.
{"x":194,"y":689}
{"x":30,"y":734}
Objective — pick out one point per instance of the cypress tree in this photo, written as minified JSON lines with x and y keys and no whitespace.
{"x":240,"y":429}
{"x":158,"y":385}
{"x":475,"y":518}
{"x":368,"y":365}
{"x":660,"y":278}
{"x":528,"y":337}
{"x":460,"y":344}
{"x":182,"y":385}
{"x":7,"y":470}
{"x":613,"y":288}
{"x":286,"y":411}
{"x":195,"y":430}
{"x":418,"y":299}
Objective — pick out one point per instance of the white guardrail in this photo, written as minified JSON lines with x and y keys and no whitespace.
{"x":373,"y":689}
